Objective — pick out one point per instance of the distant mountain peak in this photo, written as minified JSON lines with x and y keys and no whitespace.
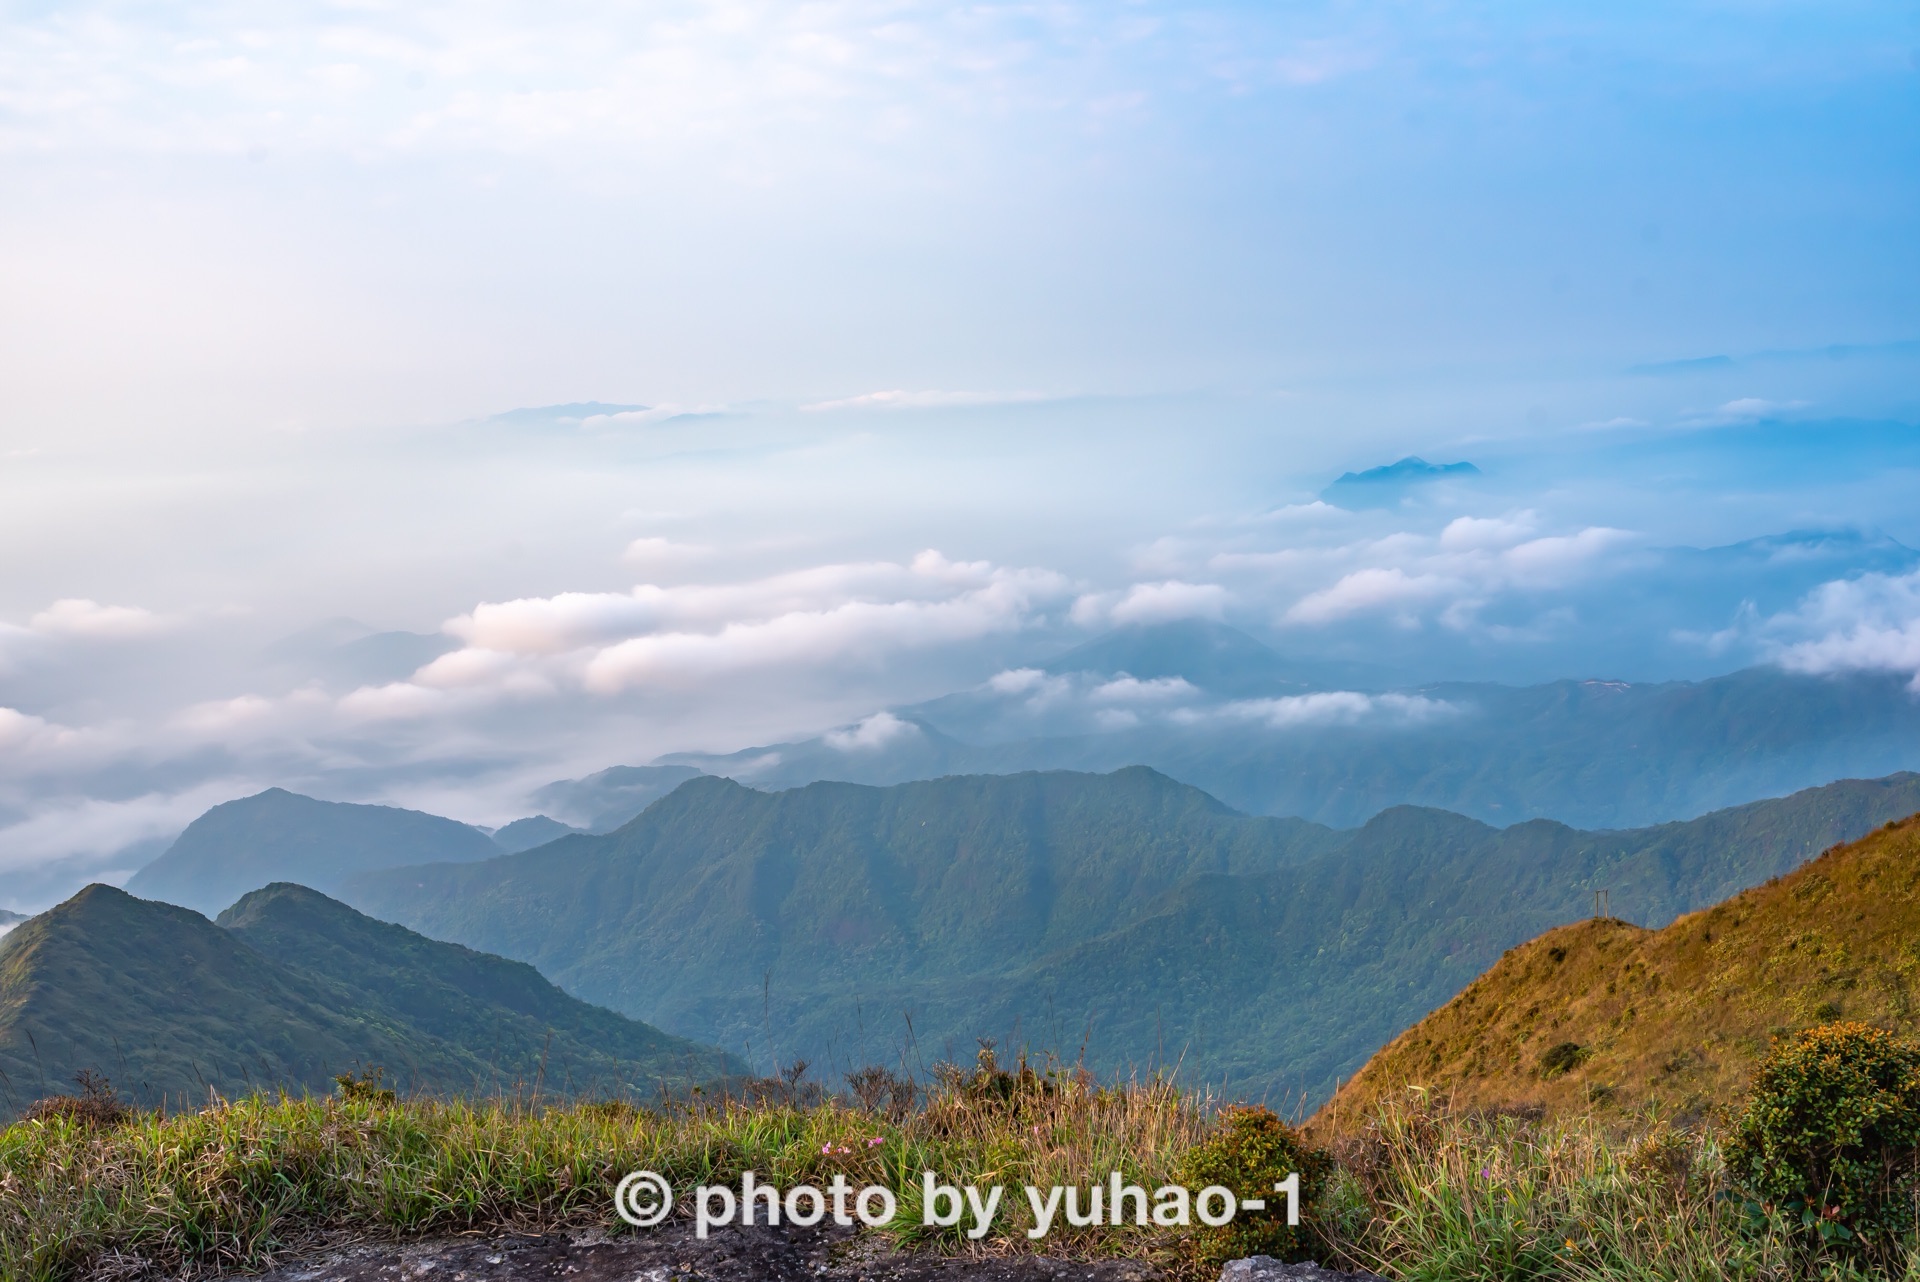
{"x":1410,"y":467}
{"x":277,"y":835}
{"x":534,"y":830}
{"x":1377,"y":486}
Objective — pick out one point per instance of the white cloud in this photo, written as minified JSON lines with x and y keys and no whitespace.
{"x":854,"y":630}
{"x":655,"y":553}
{"x":1475,"y":533}
{"x":610,"y":642}
{"x":1744,"y":409}
{"x":1747,"y":407}
{"x":32,"y":745}
{"x":1153,"y":603}
{"x":1330,"y":707}
{"x":1372,"y":589}
{"x":1555,"y":560}
{"x":652,"y":414}
{"x":1473,"y":559}
{"x":1157,"y":602}
{"x":1133,"y":690}
{"x":78,"y":617}
{"x":555,"y":624}
{"x":898,"y":399}
{"x":1316,"y":510}
{"x":876,"y":731}
{"x":1870,"y":623}
{"x":1019,"y":681}
{"x":68,"y":827}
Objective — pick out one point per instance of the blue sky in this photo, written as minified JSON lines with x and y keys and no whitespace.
{"x":1091,"y":300}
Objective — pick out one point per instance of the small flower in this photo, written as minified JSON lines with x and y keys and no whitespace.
{"x":876,"y":1142}
{"x":826,"y":1148}
{"x":1485,"y":1173}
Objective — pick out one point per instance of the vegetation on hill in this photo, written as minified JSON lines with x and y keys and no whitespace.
{"x":291,"y":989}
{"x":1606,"y":1015}
{"x":1126,"y":911}
{"x":278,"y":835}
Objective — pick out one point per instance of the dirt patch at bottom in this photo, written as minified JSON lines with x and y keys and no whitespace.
{"x":673,"y":1254}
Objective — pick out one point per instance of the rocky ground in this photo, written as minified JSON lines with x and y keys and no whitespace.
{"x":761,"y":1254}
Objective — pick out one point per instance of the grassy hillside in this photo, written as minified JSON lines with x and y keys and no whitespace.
{"x":1607,"y":1014}
{"x":1125,"y":910}
{"x":281,"y":836}
{"x":167,"y":1004}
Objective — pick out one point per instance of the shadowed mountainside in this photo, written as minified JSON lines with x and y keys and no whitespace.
{"x":287,"y":990}
{"x":278,"y":835}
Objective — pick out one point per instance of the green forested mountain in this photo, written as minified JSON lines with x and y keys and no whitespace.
{"x":278,"y":835}
{"x":287,"y":990}
{"x":1125,"y":911}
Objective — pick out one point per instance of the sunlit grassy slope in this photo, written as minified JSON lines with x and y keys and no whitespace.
{"x":1604,"y":1014}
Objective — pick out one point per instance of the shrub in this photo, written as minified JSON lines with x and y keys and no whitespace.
{"x":95,"y":1106}
{"x":882,"y":1091}
{"x":1827,"y":1142}
{"x":993,"y":1085}
{"x":1561,"y":1058}
{"x":1249,"y":1151}
{"x":364,"y":1087}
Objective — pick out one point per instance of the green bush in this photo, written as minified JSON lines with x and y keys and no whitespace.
{"x":365,"y":1088}
{"x":1249,"y":1151}
{"x":1827,"y":1143}
{"x":1562,"y":1058}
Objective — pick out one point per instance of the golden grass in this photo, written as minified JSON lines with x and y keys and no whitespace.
{"x":1675,"y":1018}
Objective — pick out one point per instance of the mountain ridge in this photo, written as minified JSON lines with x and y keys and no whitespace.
{"x":1595,"y":753}
{"x":1057,"y":901}
{"x":277,"y":835}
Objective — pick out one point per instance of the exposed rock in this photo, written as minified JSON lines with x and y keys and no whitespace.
{"x":1264,"y":1268}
